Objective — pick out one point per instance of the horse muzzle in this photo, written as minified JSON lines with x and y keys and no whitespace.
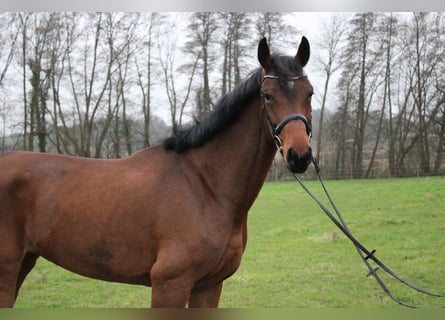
{"x":299,"y":156}
{"x":298,"y":163}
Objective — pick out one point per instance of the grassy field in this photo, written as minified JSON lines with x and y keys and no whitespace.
{"x":296,"y":257}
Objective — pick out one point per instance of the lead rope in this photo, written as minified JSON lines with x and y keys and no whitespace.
{"x":364,"y":253}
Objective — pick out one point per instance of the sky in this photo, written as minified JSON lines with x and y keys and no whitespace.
{"x":309,"y":22}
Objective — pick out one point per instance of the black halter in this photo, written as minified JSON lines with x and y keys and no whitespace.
{"x":276,"y":129}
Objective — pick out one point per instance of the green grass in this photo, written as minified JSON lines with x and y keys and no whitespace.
{"x":296,"y":257}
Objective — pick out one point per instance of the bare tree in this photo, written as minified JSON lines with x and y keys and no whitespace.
{"x":23,"y":21}
{"x":341,"y":132}
{"x":203,"y":27}
{"x":440,"y":123}
{"x":36,"y":32}
{"x":427,"y":53}
{"x":362,"y":54}
{"x":236,"y":28}
{"x":273,"y":26}
{"x":89,"y":84}
{"x":144,"y":70}
{"x":9,"y":38}
{"x":171,"y":75}
{"x":328,"y":60}
{"x":122,"y":40}
{"x":40,"y":67}
{"x":421,"y":103}
{"x":388,"y":26}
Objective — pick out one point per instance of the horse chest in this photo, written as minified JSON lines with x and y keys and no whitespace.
{"x":230,"y":259}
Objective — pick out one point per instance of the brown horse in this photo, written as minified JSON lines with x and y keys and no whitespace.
{"x":174,"y":216}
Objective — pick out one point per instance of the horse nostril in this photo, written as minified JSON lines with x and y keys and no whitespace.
{"x":292,"y":158}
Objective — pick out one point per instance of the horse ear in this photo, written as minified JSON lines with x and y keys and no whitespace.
{"x":264,"y":55}
{"x":303,"y":52}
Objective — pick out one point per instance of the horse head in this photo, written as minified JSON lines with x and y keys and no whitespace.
{"x":286,"y":100}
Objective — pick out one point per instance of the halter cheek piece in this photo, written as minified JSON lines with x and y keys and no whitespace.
{"x":276,"y":129}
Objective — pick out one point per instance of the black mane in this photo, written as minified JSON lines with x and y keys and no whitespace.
{"x":228,"y":108}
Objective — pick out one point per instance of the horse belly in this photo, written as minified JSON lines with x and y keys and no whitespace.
{"x":107,"y":239}
{"x":99,"y":257}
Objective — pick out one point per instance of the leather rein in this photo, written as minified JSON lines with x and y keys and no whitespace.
{"x":366,"y":255}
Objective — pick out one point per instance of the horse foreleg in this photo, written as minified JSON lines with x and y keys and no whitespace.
{"x":170,"y":294}
{"x":9,"y":269}
{"x":205,"y":297}
{"x":11,"y":256}
{"x":171,"y":286}
{"x":12,"y":275}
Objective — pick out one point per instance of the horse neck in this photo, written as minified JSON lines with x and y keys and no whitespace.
{"x":235,"y":163}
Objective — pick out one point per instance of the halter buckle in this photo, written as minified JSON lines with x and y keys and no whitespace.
{"x":278,"y":144}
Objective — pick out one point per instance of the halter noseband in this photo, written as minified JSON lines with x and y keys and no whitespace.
{"x":276,"y":129}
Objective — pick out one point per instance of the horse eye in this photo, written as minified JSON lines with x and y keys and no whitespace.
{"x":309,"y":98}
{"x":267,"y":97}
